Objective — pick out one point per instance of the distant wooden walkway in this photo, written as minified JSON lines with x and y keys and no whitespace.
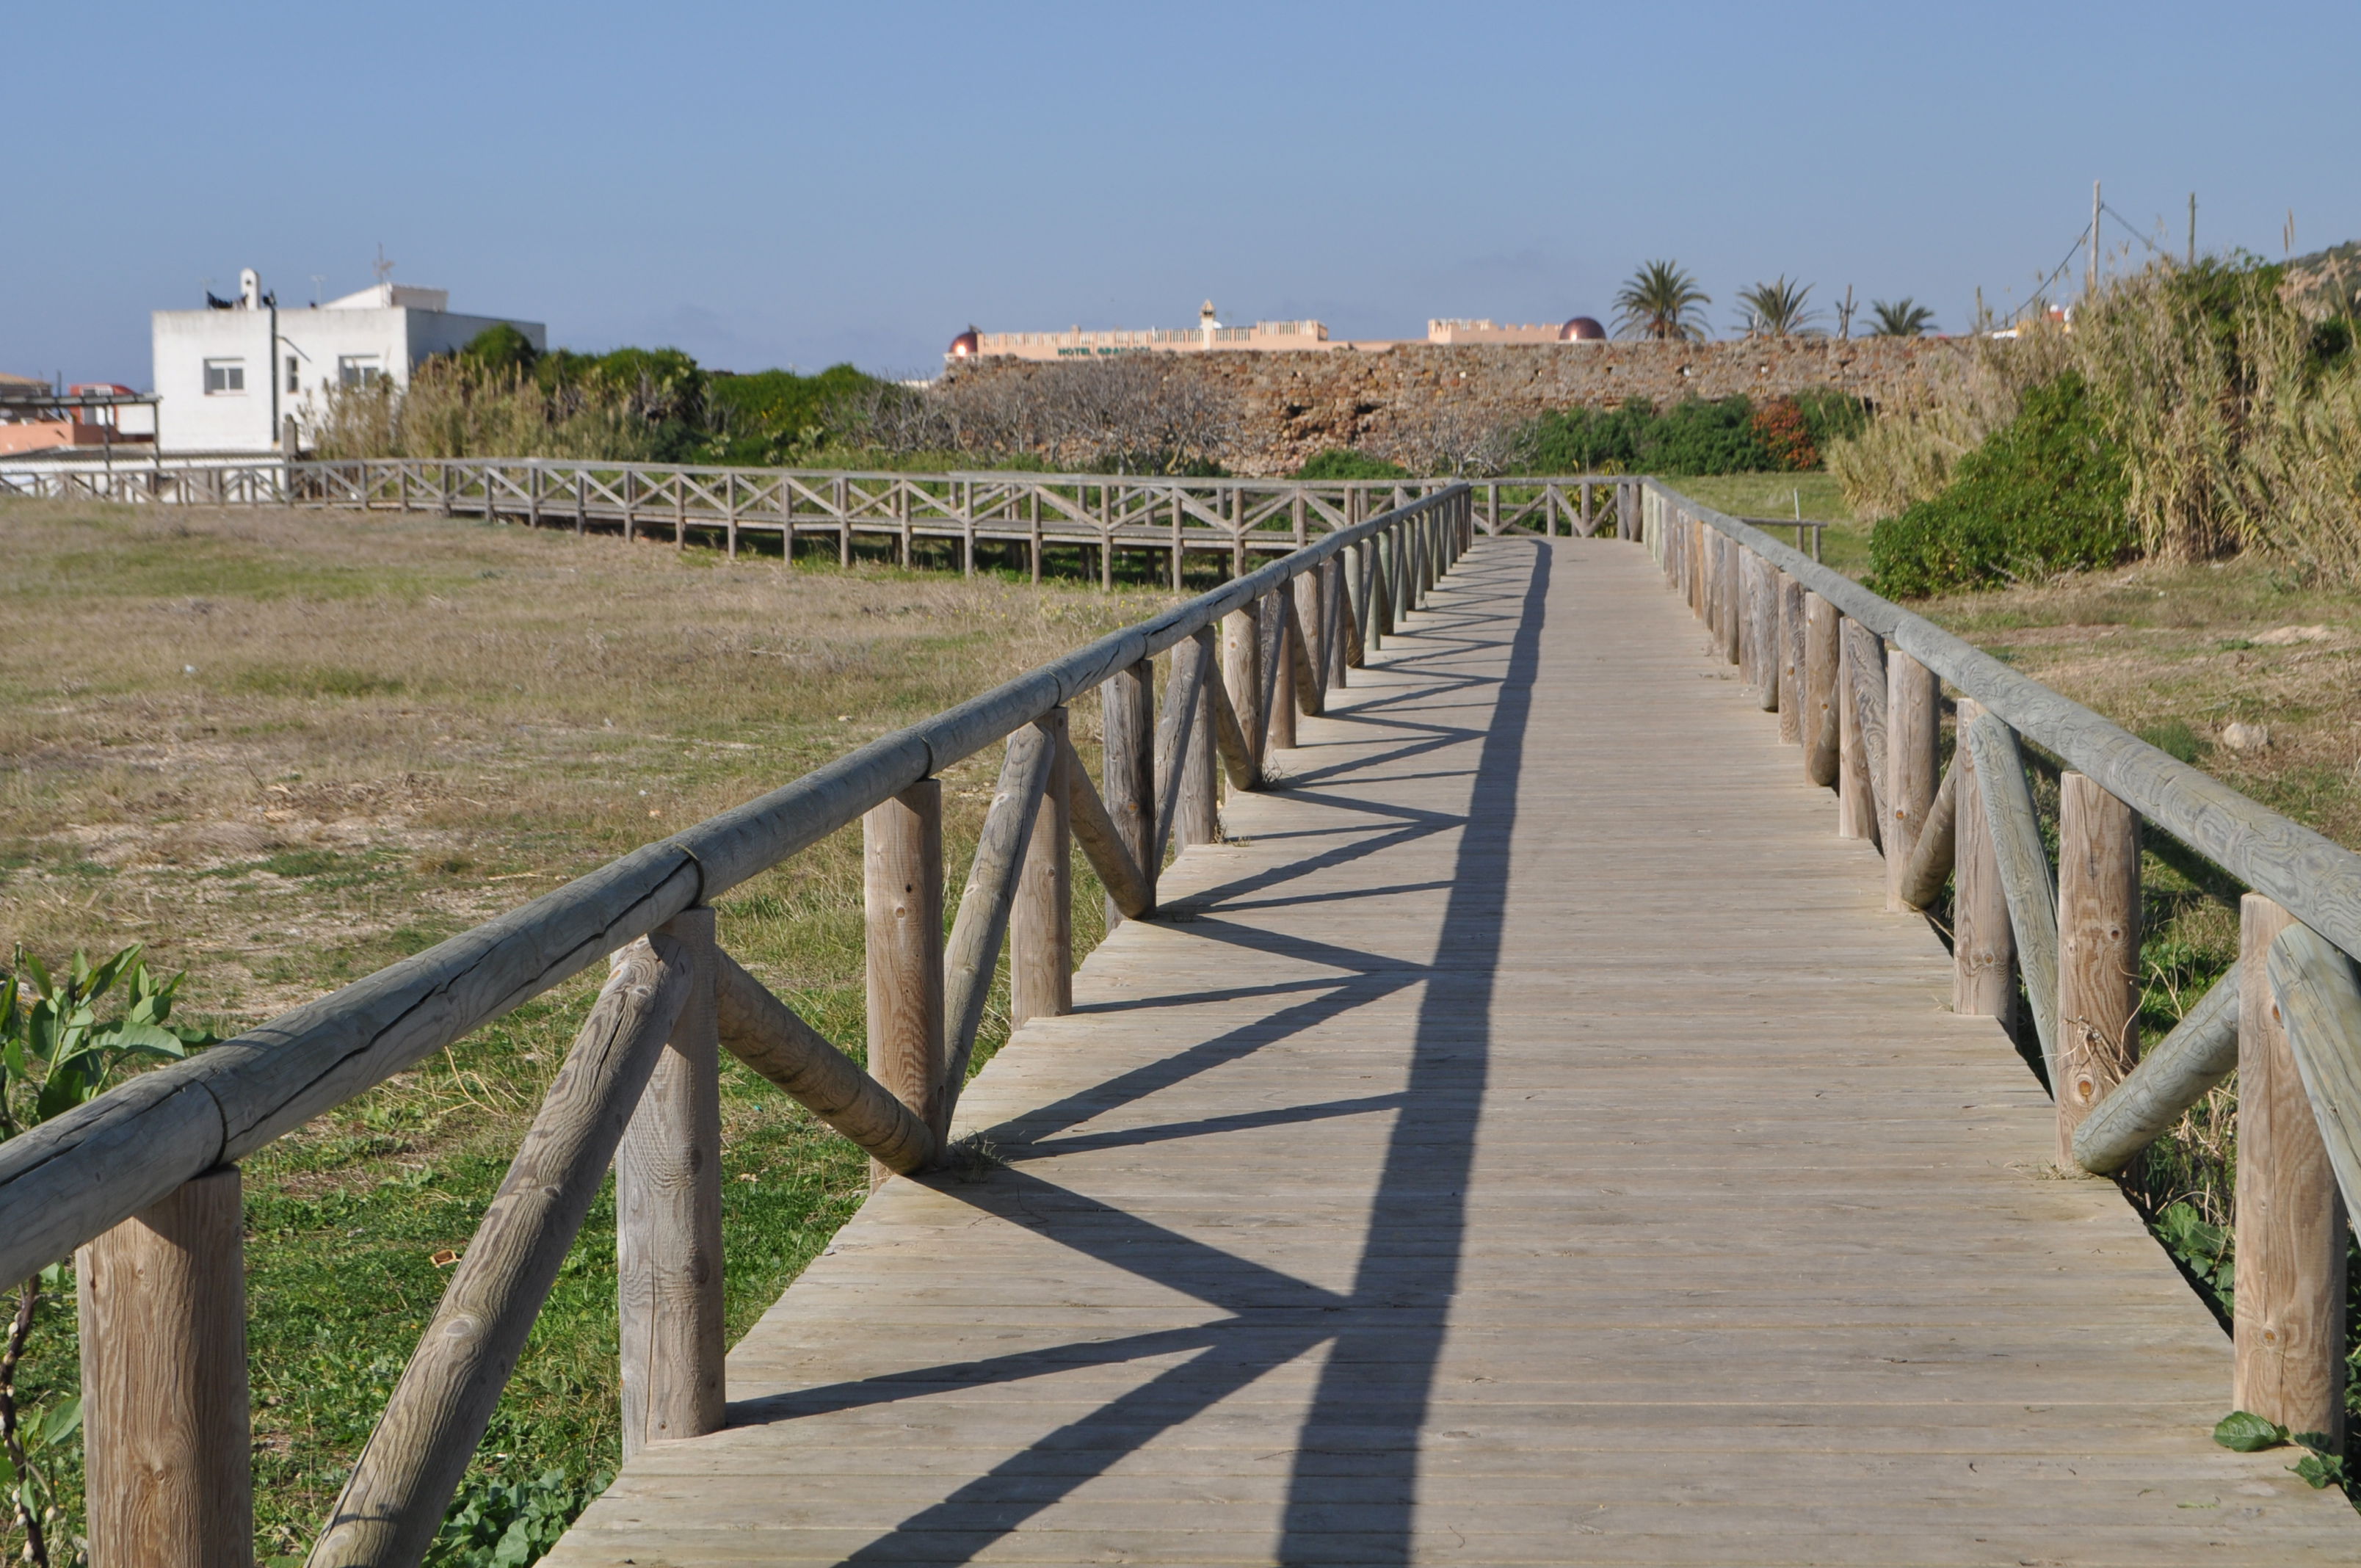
{"x":1529,"y":1141}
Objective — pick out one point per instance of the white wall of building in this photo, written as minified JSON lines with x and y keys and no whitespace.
{"x":226,"y":378}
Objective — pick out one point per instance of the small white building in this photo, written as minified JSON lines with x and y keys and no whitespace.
{"x":230,"y":376}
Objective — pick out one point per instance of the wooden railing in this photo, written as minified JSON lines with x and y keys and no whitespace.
{"x":144,"y":1181}
{"x":1856,"y":681}
{"x":1242,"y":521}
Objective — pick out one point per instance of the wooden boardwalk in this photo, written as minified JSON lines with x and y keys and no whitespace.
{"x":1529,"y":1141}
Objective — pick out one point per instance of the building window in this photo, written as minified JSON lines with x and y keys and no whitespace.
{"x":291,"y":373}
{"x":358,"y":369}
{"x":224,"y":376}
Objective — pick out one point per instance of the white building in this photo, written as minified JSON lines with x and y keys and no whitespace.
{"x":230,"y":376}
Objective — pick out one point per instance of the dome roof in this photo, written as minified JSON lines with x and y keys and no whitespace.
{"x":1581,"y":329}
{"x":966,"y":344}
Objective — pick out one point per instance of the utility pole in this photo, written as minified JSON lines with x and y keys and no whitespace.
{"x":2091,"y":283}
{"x":2192,"y":228}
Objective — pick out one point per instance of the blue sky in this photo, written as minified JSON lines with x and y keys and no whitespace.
{"x":801,"y":184}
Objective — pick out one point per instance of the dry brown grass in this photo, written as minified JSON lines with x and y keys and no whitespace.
{"x":2205,"y":646}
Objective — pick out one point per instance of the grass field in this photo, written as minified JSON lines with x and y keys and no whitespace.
{"x":284,"y":750}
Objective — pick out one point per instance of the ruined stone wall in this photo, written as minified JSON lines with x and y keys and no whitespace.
{"x":1295,"y":405}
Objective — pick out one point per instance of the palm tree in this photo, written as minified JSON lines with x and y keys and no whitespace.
{"x":1776,"y":309}
{"x":1661,"y":302}
{"x":1904,"y":317}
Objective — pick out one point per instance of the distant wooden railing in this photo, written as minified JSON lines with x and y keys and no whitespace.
{"x":1856,"y":681}
{"x":144,"y":1181}
{"x":1241,"y":521}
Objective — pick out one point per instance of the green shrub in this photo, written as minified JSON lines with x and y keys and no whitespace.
{"x":1698,"y":436}
{"x":2044,"y":494}
{"x":1694,"y":436}
{"x":1350,"y":462}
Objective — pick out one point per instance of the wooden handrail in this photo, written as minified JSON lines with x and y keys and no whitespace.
{"x":2318,"y":880}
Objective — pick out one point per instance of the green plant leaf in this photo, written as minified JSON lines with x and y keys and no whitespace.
{"x":146,"y":1039}
{"x":62,"y":1421}
{"x":2249,"y":1432}
{"x":102,"y":978}
{"x":2319,"y":1471}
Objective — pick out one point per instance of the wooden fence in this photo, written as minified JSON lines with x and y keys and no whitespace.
{"x":1857,"y":683}
{"x":1021,"y":515}
{"x":144,"y":1180}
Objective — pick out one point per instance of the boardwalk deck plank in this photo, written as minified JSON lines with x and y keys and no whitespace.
{"x":1529,"y":1141}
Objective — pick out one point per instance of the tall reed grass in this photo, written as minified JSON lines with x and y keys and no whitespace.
{"x":2238,"y":419}
{"x":455,"y":408}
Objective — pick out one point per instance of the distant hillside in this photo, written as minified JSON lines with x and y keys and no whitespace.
{"x":2327,"y":282}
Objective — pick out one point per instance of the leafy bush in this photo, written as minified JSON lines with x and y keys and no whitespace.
{"x":503,"y":1524}
{"x":1693,"y":436}
{"x":1350,"y":462}
{"x":2046,"y":494}
{"x":1779,"y":427}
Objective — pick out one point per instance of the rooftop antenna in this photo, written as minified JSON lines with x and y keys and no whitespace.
{"x":383,"y":268}
{"x":319,"y":287}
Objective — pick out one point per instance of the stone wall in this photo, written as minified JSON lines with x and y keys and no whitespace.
{"x":1296,"y":405}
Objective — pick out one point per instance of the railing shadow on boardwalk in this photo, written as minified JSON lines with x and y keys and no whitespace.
{"x":1356,"y":1453}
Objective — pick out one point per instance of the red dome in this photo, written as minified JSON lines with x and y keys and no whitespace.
{"x":966,"y":344}
{"x":1581,"y":329}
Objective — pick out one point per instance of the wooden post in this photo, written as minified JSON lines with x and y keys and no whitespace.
{"x":1197,"y":820}
{"x":1733,"y":597}
{"x":1749,"y":649}
{"x":1856,"y":802}
{"x":902,"y":888}
{"x":1983,"y":946}
{"x":1791,"y":659}
{"x":668,"y":1221}
{"x":1311,"y":622}
{"x":2097,"y":949}
{"x":1242,"y":673}
{"x":1914,"y":764}
{"x":1041,"y":924}
{"x":2288,"y":1326}
{"x":1820,"y":673}
{"x":1762,"y":602}
{"x":1128,"y":716}
{"x":1178,"y":518}
{"x":1279,"y":678}
{"x":165,"y":1415}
